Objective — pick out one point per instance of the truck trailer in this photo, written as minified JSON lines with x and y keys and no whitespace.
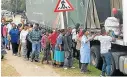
{"x":90,"y":13}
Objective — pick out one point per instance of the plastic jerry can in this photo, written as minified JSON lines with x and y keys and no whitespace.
{"x":121,"y":63}
{"x":125,"y":65}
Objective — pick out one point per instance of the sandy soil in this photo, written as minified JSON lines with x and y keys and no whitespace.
{"x":27,"y":68}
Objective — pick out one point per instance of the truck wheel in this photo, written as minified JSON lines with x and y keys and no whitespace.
{"x":113,"y":69}
{"x":95,"y":56}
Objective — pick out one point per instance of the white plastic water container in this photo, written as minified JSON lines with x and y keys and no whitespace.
{"x":112,"y":23}
{"x":121,"y":63}
{"x":125,"y":65}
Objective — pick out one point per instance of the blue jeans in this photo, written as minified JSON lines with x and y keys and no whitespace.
{"x":6,"y":40}
{"x":36,"y":47}
{"x":106,"y":63}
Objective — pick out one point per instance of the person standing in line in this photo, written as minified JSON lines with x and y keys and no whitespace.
{"x":59,"y":49}
{"x":30,"y":27}
{"x":68,"y":61}
{"x":52,"y":39}
{"x":19,"y":27}
{"x":2,"y":25}
{"x":78,"y":46}
{"x":14,"y":34}
{"x":23,"y":41}
{"x":46,"y":47}
{"x":29,"y":44}
{"x":35,"y":38}
{"x":105,"y":42}
{"x":85,"y":51}
{"x":74,"y":33}
{"x":9,"y":27}
{"x":5,"y":32}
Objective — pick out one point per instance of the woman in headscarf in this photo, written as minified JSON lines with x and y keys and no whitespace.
{"x":59,"y":52}
{"x":85,"y":51}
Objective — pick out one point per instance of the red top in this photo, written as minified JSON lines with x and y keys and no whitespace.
{"x":43,"y":41}
{"x":4,"y":30}
{"x":80,"y":33}
{"x":53,"y":38}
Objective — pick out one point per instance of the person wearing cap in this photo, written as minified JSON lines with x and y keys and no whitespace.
{"x":23,"y":41}
{"x":85,"y":51}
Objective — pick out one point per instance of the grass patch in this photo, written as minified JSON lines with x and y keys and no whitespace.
{"x":8,"y":70}
{"x":76,"y":71}
{"x":73,"y":72}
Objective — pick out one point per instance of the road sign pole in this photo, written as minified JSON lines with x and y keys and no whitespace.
{"x":65,"y":20}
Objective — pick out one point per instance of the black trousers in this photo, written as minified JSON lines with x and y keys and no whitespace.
{"x":79,"y":59}
{"x":84,"y":67}
{"x":75,"y":51}
{"x":29,"y":48}
{"x":14,"y":48}
{"x":46,"y":56}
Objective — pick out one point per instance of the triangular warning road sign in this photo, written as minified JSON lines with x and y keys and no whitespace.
{"x":63,"y":5}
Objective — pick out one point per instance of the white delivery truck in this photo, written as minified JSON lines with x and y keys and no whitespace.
{"x":90,"y":13}
{"x":118,"y":49}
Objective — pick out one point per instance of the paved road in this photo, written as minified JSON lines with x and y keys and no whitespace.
{"x":27,"y":68}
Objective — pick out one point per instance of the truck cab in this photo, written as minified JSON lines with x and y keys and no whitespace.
{"x":118,"y":49}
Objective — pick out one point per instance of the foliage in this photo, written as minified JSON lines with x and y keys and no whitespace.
{"x":14,"y":5}
{"x":5,"y":4}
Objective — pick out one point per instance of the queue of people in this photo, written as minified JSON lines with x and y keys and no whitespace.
{"x":59,"y":47}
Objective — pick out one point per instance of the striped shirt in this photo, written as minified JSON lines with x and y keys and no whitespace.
{"x":35,"y":36}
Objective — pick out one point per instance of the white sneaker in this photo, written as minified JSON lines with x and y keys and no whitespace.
{"x":102,"y":76}
{"x":73,"y":67}
{"x":65,"y":68}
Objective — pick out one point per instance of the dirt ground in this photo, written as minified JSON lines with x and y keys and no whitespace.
{"x":8,"y":70}
{"x":22,"y":67}
{"x":26,"y":68}
{"x":17,"y":66}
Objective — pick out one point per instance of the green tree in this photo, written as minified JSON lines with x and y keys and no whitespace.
{"x":14,"y":5}
{"x":5,"y":4}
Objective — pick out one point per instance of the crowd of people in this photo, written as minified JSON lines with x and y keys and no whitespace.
{"x":58,"y":47}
